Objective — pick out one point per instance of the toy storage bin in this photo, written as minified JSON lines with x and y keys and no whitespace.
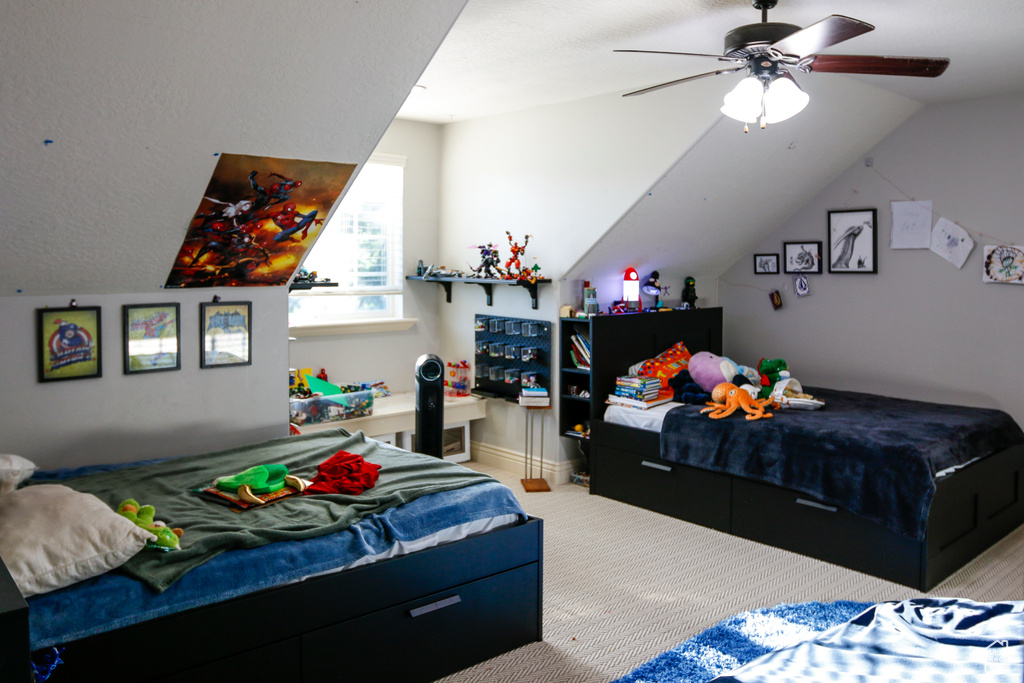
{"x":304,"y":411}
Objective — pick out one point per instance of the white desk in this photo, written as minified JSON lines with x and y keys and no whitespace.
{"x":394,"y":419}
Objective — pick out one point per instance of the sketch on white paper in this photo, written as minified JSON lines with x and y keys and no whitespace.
{"x":911,"y":225}
{"x":1004,"y":263}
{"x":951,"y":242}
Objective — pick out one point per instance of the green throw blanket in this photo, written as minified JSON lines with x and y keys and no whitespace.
{"x":210,"y":529}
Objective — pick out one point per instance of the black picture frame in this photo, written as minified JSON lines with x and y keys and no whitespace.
{"x":853,"y":241}
{"x":801,"y":257}
{"x":225,"y":334}
{"x":68,"y":343}
{"x":766,"y":264}
{"x":151,"y":335}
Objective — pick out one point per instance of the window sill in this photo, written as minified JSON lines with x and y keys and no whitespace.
{"x":353,"y":327}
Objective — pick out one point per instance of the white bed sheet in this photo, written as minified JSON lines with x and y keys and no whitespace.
{"x":649,"y":419}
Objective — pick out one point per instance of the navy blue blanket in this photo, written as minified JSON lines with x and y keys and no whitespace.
{"x":873,"y":455}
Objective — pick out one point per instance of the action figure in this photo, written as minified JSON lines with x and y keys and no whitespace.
{"x":689,"y":293}
{"x":513,"y":260}
{"x":489,"y":260}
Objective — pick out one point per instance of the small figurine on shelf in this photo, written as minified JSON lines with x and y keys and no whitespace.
{"x":689,"y":293}
{"x":322,"y":374}
{"x":514,"y":260}
{"x":489,"y":261}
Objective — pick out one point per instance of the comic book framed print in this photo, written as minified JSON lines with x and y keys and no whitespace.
{"x":68,"y":343}
{"x":152,"y":338}
{"x":225,"y":333}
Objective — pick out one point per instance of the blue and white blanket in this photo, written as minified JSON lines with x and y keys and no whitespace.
{"x":935,"y":640}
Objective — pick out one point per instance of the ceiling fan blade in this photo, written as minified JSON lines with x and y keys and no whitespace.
{"x":721,"y":58}
{"x":927,"y":67}
{"x":683,"y":80}
{"x":829,"y":31}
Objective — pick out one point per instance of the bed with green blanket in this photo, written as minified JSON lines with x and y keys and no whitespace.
{"x":288,"y":582}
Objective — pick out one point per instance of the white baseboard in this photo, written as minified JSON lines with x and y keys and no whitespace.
{"x":514,"y":461}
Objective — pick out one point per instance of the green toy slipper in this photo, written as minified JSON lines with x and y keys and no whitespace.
{"x":259,"y":479}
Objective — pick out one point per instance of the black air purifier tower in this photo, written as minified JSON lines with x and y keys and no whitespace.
{"x":429,"y":405}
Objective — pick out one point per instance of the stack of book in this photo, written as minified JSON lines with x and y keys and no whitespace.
{"x":580,"y":350}
{"x":534,"y":397}
{"x":639,"y":392}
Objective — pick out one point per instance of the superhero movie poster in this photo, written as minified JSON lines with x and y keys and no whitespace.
{"x":68,"y":343}
{"x":256,"y":220}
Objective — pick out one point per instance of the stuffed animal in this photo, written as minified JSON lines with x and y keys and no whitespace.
{"x":770,"y":371}
{"x":709,"y":370}
{"x":260,"y":479}
{"x":143,"y":516}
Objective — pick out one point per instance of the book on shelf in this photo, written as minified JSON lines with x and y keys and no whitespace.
{"x":582,"y":348}
{"x":664,"y":397}
{"x":534,"y":401}
{"x":577,"y":360}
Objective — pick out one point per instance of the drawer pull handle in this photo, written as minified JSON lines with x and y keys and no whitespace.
{"x":434,"y":606}
{"x":656,"y":465}
{"x":812,"y":504}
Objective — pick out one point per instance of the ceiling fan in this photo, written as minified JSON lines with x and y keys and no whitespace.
{"x":769,"y":51}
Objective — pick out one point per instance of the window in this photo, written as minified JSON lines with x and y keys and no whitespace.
{"x":360,"y":248}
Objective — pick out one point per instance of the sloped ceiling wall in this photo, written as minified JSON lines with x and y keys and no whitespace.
{"x":114,"y":112}
{"x":730,"y":188}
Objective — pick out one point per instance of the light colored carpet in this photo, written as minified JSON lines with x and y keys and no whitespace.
{"x":623,"y":584}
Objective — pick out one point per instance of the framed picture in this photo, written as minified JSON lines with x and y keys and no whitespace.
{"x":853,"y":241}
{"x":224,"y":330}
{"x":68,"y":343}
{"x":801,"y":257}
{"x":766,"y":264}
{"x":152,"y":338}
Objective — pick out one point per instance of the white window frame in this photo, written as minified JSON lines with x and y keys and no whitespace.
{"x":388,"y":319}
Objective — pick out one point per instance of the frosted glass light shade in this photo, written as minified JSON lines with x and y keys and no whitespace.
{"x":743,"y":102}
{"x":783,"y":99}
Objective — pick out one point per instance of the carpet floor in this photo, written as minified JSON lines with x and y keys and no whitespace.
{"x":622,"y":584}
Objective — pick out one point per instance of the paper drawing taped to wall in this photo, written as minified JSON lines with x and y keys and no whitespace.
{"x":256,"y":221}
{"x":1004,"y":263}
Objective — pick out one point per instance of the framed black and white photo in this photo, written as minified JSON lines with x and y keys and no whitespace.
{"x":766,"y":264}
{"x":224,"y":329}
{"x":853,"y":241}
{"x":801,"y":257}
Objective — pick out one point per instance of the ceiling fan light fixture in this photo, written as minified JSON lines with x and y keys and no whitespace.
{"x":783,"y":98}
{"x":743,"y":102}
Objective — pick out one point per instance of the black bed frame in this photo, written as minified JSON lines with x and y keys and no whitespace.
{"x":972,"y":508}
{"x":413,"y":618}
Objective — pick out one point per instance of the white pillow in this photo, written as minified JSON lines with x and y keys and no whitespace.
{"x":52,"y":536}
{"x":14,"y":469}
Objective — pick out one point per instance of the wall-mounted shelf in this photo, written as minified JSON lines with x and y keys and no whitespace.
{"x":486,"y":283}
{"x":310,"y":285}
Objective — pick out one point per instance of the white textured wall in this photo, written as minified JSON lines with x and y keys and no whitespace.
{"x":118,"y":417}
{"x":920,"y":328}
{"x":136,"y":98}
{"x":113,"y":112}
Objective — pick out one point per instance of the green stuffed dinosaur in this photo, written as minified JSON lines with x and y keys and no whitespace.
{"x":771,"y":371}
{"x":143,"y":517}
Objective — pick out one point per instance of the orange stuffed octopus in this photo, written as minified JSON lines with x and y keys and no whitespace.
{"x":727,"y":397}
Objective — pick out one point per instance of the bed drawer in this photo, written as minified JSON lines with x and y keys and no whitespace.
{"x":440,"y":633}
{"x":687,"y":493}
{"x":797,"y":522}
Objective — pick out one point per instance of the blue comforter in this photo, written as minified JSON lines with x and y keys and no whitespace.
{"x":938,"y":640}
{"x":873,"y":455}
